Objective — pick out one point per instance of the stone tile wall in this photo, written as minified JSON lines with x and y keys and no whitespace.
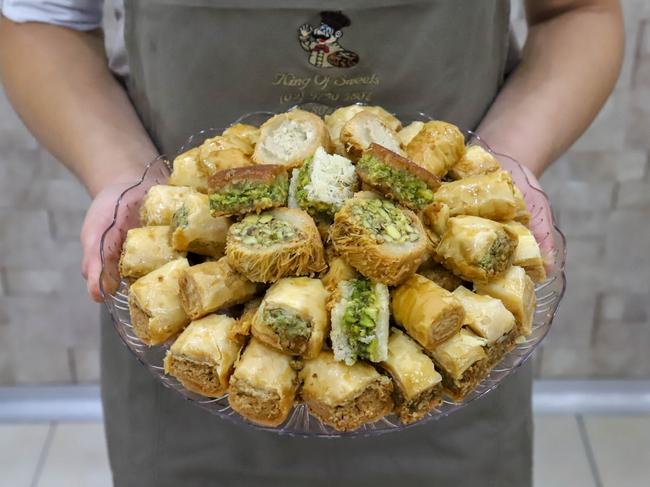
{"x":600,"y":191}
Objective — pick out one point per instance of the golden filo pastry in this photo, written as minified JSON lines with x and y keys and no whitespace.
{"x":194,"y":229}
{"x":338,"y":270}
{"x":243,"y":326}
{"x":364,"y":129}
{"x":155,"y":305}
{"x":475,"y":162}
{"x":434,"y":218}
{"x":396,"y":177}
{"x":274,"y":244}
{"x":146,"y":249}
{"x":517,"y":292}
{"x":263,"y":386}
{"x":406,"y":134}
{"x":436,"y":147}
{"x":476,"y":249}
{"x":161,"y":202}
{"x":186,"y":171}
{"x":342,"y":396}
{"x":224,"y":152}
{"x":417,"y":383}
{"x":213,"y":285}
{"x":203,"y":356}
{"x":289,"y":138}
{"x":485,"y":315}
{"x":489,"y":196}
{"x":528,"y":254}
{"x":428,"y":313}
{"x":242,"y":190}
{"x":462,"y":362}
{"x":250,"y":133}
{"x":293,"y":317}
{"x":337,"y":119}
{"x":440,"y":275}
{"x":522,"y":215}
{"x":383,"y":242}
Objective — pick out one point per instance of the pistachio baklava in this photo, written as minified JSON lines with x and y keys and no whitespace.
{"x":274,"y":244}
{"x":187,"y":172}
{"x":342,"y":396}
{"x":293,"y":317}
{"x":194,"y":229}
{"x":263,"y":386}
{"x":155,"y":304}
{"x":146,"y":249}
{"x":161,"y":202}
{"x":417,"y":383}
{"x":360,"y":319}
{"x":383,"y":242}
{"x":244,"y":190}
{"x":428,"y":313}
{"x":476,"y":249}
{"x":213,"y":285}
{"x":203,"y":356}
{"x":396,"y":177}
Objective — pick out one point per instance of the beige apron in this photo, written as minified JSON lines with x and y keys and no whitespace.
{"x":199,"y":63}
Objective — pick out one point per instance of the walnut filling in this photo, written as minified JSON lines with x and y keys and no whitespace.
{"x":263,"y":230}
{"x":385,"y":221}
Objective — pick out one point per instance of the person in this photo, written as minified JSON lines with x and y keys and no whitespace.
{"x":203,"y":63}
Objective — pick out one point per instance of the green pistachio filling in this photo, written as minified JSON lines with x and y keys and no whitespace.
{"x":386,"y":222}
{"x":360,"y":318}
{"x":497,"y":257}
{"x":317,"y":209}
{"x":180,"y":218}
{"x":405,"y":186}
{"x":262,"y":230}
{"x":293,"y":331}
{"x":243,"y":194}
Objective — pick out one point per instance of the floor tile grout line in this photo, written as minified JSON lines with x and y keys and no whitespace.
{"x":589,"y":451}
{"x":43,"y":455}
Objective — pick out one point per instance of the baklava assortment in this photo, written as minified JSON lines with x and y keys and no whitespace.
{"x":350,"y":263}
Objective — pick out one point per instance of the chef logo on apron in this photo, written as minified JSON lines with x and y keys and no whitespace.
{"x":322,"y":42}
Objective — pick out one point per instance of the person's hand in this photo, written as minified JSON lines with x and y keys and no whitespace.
{"x":98,"y":217}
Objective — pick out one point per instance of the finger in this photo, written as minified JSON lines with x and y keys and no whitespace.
{"x":92,"y":283}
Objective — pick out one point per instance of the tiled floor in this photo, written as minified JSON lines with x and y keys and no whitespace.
{"x":576,"y":451}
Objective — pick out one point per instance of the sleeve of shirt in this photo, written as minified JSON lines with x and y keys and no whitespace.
{"x":74,"y":14}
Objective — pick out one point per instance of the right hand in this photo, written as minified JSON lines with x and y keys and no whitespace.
{"x":305,"y":30}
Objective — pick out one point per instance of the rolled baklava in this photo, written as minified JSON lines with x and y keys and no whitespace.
{"x":341,"y":116}
{"x":194,"y":229}
{"x":462,"y":362}
{"x":396,"y":177}
{"x":382,"y":241}
{"x":155,"y":305}
{"x":213,"y":285}
{"x":522,"y":215}
{"x":489,"y":196}
{"x":289,"y":138}
{"x":417,"y":384}
{"x":203,"y":356}
{"x":436,"y":147}
{"x":243,"y":326}
{"x":278,"y":243}
{"x":263,"y":386}
{"x":406,"y":134}
{"x":161,"y":202}
{"x":224,"y":152}
{"x":342,"y":396}
{"x":250,"y":133}
{"x":244,"y":190}
{"x":322,"y":184}
{"x":292,"y":317}
{"x":517,"y":292}
{"x":364,"y":129}
{"x":360,"y":319}
{"x":146,"y":249}
{"x":528,"y":254}
{"x":187,"y":172}
{"x":475,"y":162}
{"x":338,"y":270}
{"x":428,"y":313}
{"x":476,"y":249}
{"x":440,"y":275}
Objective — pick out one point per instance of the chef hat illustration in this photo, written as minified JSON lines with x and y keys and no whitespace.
{"x":335,"y":19}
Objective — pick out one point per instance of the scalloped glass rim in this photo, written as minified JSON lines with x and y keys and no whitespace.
{"x":300,"y":422}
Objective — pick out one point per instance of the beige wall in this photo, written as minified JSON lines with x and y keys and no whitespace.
{"x":600,"y":191}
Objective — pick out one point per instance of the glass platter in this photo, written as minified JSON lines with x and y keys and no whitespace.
{"x":300,"y":422}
